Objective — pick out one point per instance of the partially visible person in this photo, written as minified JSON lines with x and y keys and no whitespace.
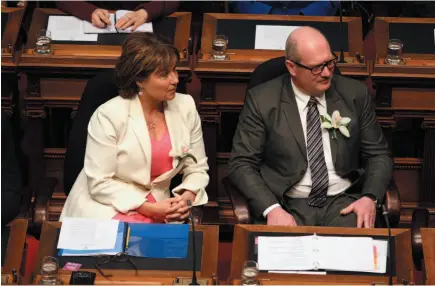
{"x":97,"y":12}
{"x":305,"y":8}
{"x":11,"y":184}
{"x":139,"y":141}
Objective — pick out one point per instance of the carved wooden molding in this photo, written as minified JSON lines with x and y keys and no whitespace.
{"x":35,"y":113}
{"x":428,"y":123}
{"x":210,"y":118}
{"x":387,"y":122}
{"x":408,"y":163}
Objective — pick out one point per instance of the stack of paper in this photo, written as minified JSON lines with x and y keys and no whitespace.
{"x":86,"y":237}
{"x":302,"y":253}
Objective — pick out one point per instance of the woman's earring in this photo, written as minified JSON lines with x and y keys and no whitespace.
{"x":140,"y":93}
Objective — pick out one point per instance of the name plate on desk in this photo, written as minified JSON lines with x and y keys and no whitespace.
{"x":272,"y":37}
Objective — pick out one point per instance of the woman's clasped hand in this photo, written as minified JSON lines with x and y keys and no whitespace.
{"x":173,"y":209}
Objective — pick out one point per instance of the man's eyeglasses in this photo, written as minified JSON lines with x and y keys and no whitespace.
{"x":319,"y":68}
{"x":119,"y":257}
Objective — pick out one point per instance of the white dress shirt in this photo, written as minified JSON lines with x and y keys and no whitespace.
{"x":303,"y":188}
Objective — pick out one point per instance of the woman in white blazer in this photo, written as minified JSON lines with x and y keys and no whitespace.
{"x":138,"y":141}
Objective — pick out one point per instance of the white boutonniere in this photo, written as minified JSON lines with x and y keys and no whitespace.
{"x":334,"y":122}
{"x":182,"y":154}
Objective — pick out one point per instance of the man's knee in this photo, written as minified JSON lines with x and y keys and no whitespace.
{"x":349,"y":220}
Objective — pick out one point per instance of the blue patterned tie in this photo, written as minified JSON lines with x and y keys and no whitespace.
{"x":316,"y":157}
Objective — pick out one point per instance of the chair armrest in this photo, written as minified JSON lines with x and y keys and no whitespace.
{"x":420,"y":218}
{"x":392,"y":204}
{"x":240,"y":205}
{"x":41,"y":203}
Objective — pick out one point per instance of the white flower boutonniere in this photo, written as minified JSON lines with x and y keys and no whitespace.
{"x":334,"y":122}
{"x":184,"y":154}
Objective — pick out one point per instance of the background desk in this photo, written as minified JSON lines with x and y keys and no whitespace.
{"x":405,"y":100}
{"x":56,"y":82}
{"x":11,"y":38}
{"x":208,"y":267}
{"x":244,"y":236}
{"x":15,"y":252}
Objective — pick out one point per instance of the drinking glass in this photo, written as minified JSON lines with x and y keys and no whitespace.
{"x":219,"y":47}
{"x":49,"y":271}
{"x":394,"y":57}
{"x":250,"y":273}
{"x":43,"y":42}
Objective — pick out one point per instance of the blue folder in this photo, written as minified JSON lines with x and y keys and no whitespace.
{"x":158,"y":240}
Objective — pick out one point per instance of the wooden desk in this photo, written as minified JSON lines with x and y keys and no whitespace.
{"x":55,"y":83}
{"x":15,"y":251}
{"x":405,"y":99}
{"x":11,"y":23}
{"x":428,"y":241}
{"x":223,"y":83}
{"x":207,"y":274}
{"x":244,"y":235}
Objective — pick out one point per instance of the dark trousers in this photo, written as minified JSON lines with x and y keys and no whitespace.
{"x":328,"y":215}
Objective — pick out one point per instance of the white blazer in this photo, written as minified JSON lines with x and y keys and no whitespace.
{"x":116,"y":172}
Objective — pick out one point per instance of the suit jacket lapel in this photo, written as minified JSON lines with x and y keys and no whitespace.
{"x":140,"y":128}
{"x":291,"y":112}
{"x":333,"y":102}
{"x":176,"y":129}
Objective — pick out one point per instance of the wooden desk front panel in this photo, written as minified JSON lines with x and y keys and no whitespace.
{"x":428,"y":242}
{"x":406,"y":95}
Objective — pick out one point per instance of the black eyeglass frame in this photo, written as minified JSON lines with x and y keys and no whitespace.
{"x":119,"y":257}
{"x":321,"y":66}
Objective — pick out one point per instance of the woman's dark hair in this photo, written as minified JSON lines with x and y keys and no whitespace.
{"x":143,"y":54}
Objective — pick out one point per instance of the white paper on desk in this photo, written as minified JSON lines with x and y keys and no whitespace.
{"x":68,"y":28}
{"x":88,"y":28}
{"x":87,"y":234}
{"x":345,"y":253}
{"x":285,"y":253}
{"x":299,"y":272}
{"x":272,"y":37}
{"x":146,"y":27}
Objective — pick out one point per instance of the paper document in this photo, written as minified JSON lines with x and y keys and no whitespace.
{"x":114,"y":18}
{"x":346,"y":253}
{"x":380,"y":250}
{"x":285,"y":253}
{"x":146,"y":27}
{"x":68,"y":28}
{"x":290,"y":253}
{"x":272,"y":37}
{"x":88,"y":234}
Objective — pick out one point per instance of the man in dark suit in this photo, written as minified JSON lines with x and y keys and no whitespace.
{"x":295,"y":159}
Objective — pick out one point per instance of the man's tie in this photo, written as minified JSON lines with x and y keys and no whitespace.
{"x":316,"y":157}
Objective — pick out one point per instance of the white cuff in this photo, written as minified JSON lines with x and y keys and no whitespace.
{"x":269,"y":209}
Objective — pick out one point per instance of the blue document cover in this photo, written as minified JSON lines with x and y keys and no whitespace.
{"x":119,"y":246}
{"x":158,"y":240}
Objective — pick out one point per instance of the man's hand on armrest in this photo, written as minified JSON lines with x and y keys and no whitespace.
{"x":278,"y":216}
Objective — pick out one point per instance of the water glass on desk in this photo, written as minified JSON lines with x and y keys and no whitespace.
{"x":219,"y":47}
{"x":394,"y":57}
{"x":250,"y":273}
{"x":49,"y":271}
{"x":43,"y":42}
